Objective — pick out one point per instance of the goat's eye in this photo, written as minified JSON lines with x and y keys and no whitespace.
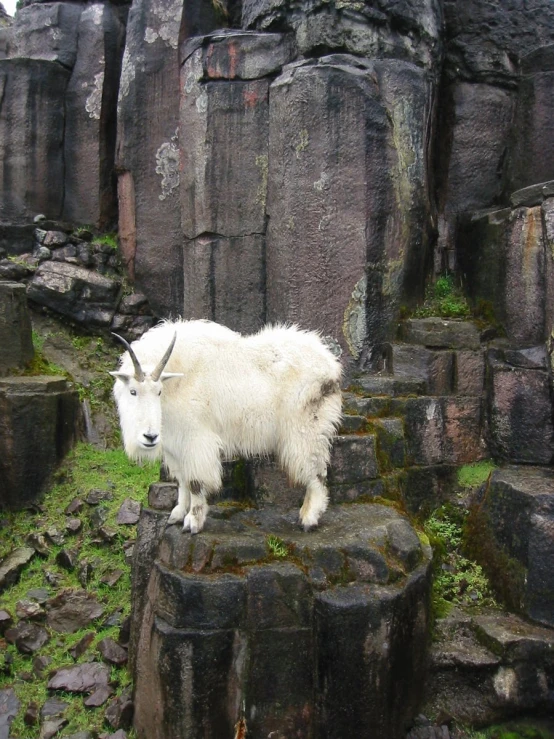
{"x":133,"y":392}
{"x":160,"y":392}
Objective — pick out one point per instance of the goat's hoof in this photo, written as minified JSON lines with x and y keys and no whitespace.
{"x":176,"y":515}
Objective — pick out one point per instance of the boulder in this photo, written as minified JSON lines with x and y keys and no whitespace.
{"x":519,"y":511}
{"x":80,"y":294}
{"x":31,"y":138}
{"x":314,"y":644}
{"x":15,"y":327}
{"x":39,"y":421}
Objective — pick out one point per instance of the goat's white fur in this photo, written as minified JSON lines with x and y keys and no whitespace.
{"x":275,"y":392}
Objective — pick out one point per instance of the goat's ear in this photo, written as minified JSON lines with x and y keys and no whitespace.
{"x":123,"y":376}
{"x":169,"y":375}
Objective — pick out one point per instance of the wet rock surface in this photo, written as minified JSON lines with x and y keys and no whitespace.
{"x":362,"y":566}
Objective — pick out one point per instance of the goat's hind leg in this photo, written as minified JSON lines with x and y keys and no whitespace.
{"x":315,"y":502}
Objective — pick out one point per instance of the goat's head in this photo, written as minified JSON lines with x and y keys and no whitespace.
{"x":138,"y":398}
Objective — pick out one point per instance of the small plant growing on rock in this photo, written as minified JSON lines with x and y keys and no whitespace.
{"x":277,"y":546}
{"x":444,"y":298}
{"x":457,"y":579}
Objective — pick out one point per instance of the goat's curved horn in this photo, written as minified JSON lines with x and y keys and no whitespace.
{"x":164,"y":360}
{"x":139,"y":374}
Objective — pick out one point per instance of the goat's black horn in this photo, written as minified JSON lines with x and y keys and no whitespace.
{"x":164,"y":360}
{"x":139,"y":374}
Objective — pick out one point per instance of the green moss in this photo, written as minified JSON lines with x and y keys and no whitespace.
{"x":108,"y":239}
{"x":472,"y":475}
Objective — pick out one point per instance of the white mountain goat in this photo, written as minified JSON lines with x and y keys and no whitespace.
{"x":224,"y":394}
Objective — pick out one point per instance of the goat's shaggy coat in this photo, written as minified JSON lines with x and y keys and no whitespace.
{"x":276,"y":392}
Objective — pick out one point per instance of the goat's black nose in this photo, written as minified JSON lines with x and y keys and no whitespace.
{"x":151,"y":437}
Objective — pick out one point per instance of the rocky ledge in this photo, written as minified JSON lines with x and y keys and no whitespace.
{"x":278,"y":630}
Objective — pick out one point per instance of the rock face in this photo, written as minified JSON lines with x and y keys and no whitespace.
{"x":340,"y":620}
{"x":519,"y":511}
{"x":38,"y":426}
{"x":15,"y":327}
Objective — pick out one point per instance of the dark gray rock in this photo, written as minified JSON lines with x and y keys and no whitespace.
{"x":162,"y":496}
{"x":72,"y":610}
{"x":12,"y":565}
{"x":404,"y":30}
{"x":485,"y":667}
{"x":27,"y":637}
{"x":91,"y":111}
{"x":508,"y":268}
{"x":440,"y":333}
{"x":519,"y":510}
{"x":531,"y":153}
{"x":9,"y":707}
{"x":224,"y":278}
{"x":31,"y":136}
{"x":129,"y":512}
{"x":29,"y":609}
{"x":82,"y":645}
{"x":443,"y":430}
{"x":384,"y":384}
{"x":435,"y":368}
{"x":83,"y":678}
{"x":148,"y":147}
{"x":520,"y":420}
{"x":119,"y":714}
{"x":51,"y":727}
{"x":98,"y":697}
{"x":46,"y":32}
{"x":80,"y":294}
{"x":532,"y":195}
{"x":5,"y":621}
{"x":15,"y":327}
{"x":242,"y":55}
{"x":112,"y":652}
{"x":209,"y":111}
{"x":329,"y":127}
{"x":267,"y":610}
{"x":53,"y":707}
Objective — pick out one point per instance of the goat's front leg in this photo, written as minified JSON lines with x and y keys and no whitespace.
{"x":196,"y":517}
{"x":183,"y":505}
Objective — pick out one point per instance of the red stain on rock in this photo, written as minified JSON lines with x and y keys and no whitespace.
{"x":250,"y":98}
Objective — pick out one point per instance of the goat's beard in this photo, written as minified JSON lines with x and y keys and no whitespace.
{"x":139,"y":454}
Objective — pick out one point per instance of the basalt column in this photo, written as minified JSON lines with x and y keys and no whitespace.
{"x":224,"y":121}
{"x":347,"y":196}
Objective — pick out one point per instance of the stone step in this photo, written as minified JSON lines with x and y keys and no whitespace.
{"x":388,"y":385}
{"x":480,"y":661}
{"x":440,"y":333}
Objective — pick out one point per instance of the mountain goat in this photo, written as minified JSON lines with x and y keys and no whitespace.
{"x":224,"y":394}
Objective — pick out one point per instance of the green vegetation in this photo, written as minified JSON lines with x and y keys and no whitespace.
{"x":277,"y":546}
{"x":84,"y":469}
{"x":109,"y":239}
{"x":472,"y":475}
{"x":444,"y":298}
{"x":511,"y":730}
{"x":457,"y":580}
